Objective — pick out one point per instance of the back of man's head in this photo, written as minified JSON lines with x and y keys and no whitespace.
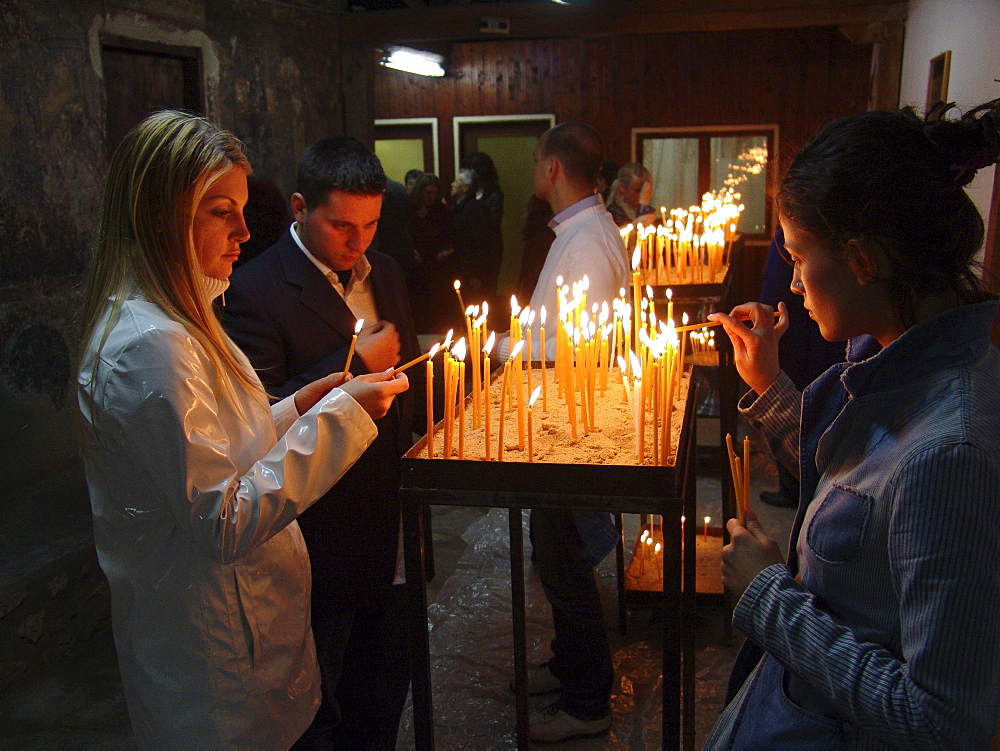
{"x":338,"y":163}
{"x":577,"y":146}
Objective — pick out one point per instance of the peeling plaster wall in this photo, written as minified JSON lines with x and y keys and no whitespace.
{"x":272,"y":76}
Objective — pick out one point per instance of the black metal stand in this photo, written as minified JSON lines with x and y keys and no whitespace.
{"x":668,"y":491}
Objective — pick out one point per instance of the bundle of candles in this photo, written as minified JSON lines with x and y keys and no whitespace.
{"x":740,"y":468}
{"x":691,"y":246}
{"x":578,"y":392}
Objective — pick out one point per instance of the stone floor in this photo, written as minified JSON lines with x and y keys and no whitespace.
{"x":78,"y":703}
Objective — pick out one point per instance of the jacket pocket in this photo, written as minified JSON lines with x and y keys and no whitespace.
{"x":248,"y":621}
{"x":838,"y":526}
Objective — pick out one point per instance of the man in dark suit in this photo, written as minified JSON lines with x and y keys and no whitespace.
{"x":293,"y":311}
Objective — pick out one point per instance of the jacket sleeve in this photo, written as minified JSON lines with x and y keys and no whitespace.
{"x":174,"y":423}
{"x":254,"y":329}
{"x":776,"y":415}
{"x":944,"y":541}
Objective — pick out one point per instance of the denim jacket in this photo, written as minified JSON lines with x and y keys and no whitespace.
{"x":886,"y":620}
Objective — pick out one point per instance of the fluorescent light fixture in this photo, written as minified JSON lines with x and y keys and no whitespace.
{"x":414,"y":61}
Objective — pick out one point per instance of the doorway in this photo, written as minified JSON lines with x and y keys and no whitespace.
{"x":510,"y":141}
{"x":141,"y":77}
{"x":407,"y":143}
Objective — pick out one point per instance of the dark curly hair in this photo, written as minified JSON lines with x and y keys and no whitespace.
{"x":897,"y":180}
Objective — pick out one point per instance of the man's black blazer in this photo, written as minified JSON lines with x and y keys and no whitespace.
{"x":294,"y":327}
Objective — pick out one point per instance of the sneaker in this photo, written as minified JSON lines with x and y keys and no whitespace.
{"x":553,"y":725}
{"x":541,"y":682}
{"x":778,"y":499}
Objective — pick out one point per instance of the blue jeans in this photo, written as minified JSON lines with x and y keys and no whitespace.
{"x":581,"y":654}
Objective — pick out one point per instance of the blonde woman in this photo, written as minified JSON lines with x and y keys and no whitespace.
{"x":630,"y":194}
{"x":195,"y":481}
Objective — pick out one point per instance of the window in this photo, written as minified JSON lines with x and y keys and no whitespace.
{"x":686,"y":163}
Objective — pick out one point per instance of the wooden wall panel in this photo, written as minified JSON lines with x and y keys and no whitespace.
{"x":798,"y":78}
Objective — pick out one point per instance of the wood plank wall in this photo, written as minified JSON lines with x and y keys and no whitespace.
{"x":799,"y":78}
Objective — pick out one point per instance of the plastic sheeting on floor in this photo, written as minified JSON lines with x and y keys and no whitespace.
{"x":472,"y":653}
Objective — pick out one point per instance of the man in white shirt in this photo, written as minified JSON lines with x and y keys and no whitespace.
{"x":567,"y":545}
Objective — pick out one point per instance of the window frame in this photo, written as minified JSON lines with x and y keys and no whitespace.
{"x":704,"y":135}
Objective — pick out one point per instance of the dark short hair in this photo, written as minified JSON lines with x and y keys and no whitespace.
{"x":338,"y":163}
{"x":897,"y":180}
{"x":578,"y":147}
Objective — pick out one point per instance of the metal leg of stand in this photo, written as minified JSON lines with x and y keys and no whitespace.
{"x":620,"y":563}
{"x":416,"y":595}
{"x":519,"y":625}
{"x":672,"y":634}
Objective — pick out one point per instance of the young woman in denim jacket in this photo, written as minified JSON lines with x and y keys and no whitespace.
{"x":882,"y":628}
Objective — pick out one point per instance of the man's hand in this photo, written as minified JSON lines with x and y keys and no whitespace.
{"x":378,"y":346}
{"x":749,"y":552}
{"x":375,"y":391}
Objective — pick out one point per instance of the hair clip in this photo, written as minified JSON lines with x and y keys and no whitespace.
{"x":973,"y":164}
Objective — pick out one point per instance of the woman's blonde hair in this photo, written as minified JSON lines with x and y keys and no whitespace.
{"x":627,"y":175}
{"x":157,"y":177}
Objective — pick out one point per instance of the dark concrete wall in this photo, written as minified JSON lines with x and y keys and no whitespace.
{"x":272,"y":76}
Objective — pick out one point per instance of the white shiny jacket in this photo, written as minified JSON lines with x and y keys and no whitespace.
{"x":195,"y":494}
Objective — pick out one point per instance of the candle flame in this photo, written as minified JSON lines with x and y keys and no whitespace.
{"x":708,"y":519}
{"x":517,"y":350}
{"x":635,"y":258}
{"x":636,"y":366}
{"x":434,"y":350}
{"x":514,"y":307}
{"x":359,"y":325}
{"x":543,"y":315}
{"x":486,"y":308}
{"x":684,"y":319}
{"x":649,"y":292}
{"x":534,"y":395}
{"x":656,"y":548}
{"x":458,"y":284}
{"x":488,"y":347}
{"x":523,"y":317}
{"x":670,"y":293}
{"x":626,"y":231}
{"x":459,"y":349}
{"x":479,"y":321}
{"x":447,"y":339}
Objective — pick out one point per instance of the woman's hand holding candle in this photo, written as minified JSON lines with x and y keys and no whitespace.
{"x":749,"y":552}
{"x":755,"y":350}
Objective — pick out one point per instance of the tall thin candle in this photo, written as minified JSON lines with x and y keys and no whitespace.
{"x":354,"y":341}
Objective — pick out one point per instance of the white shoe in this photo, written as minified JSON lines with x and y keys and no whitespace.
{"x":553,"y":725}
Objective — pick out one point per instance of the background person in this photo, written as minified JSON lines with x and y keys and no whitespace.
{"x":195,"y":482}
{"x":566,"y":545}
{"x":882,"y":629}
{"x":630,"y":194}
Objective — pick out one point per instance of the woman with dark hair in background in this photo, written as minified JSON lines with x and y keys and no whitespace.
{"x":477,"y":240}
{"x":432,"y":292}
{"x":882,"y":630}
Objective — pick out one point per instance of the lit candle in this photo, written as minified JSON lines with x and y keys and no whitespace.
{"x":545,"y":404}
{"x":531,"y":403}
{"x":354,"y":341}
{"x":458,"y":291}
{"x":503,"y":395}
{"x":707,"y":520}
{"x":659,"y":563}
{"x":486,"y":388}
{"x":430,"y":401}
{"x":460,"y":356}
